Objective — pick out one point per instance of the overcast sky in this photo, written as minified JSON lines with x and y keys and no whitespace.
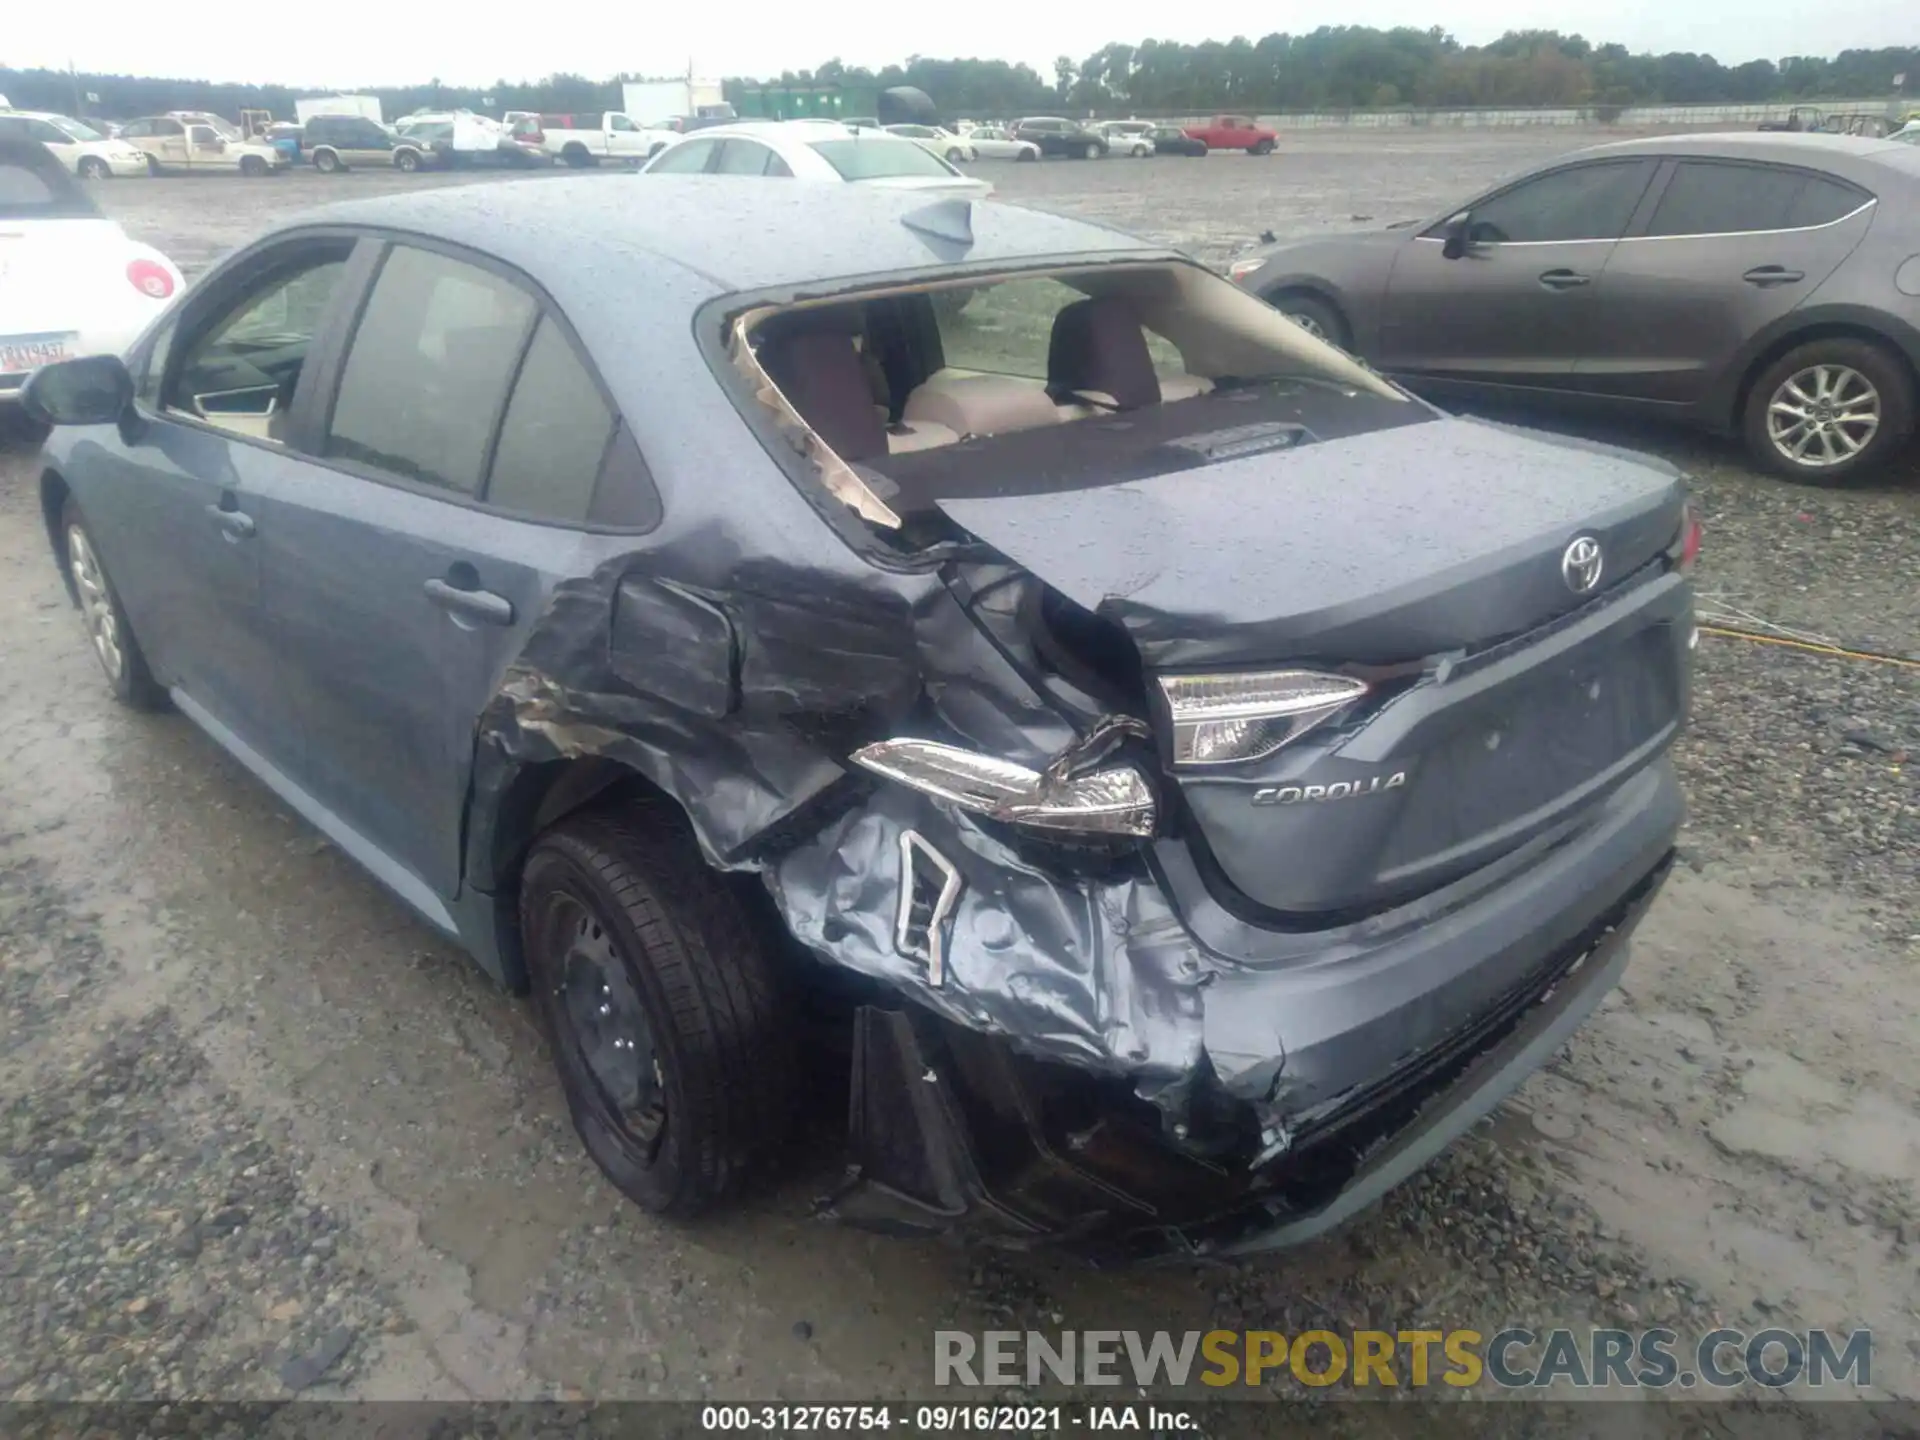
{"x":378,"y":42}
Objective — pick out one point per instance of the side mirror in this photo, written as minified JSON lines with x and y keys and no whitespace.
{"x":1459,"y":235}
{"x":93,"y":390}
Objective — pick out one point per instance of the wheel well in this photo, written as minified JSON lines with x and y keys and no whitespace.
{"x":53,"y":500}
{"x":540,"y":796}
{"x":1832,"y":330}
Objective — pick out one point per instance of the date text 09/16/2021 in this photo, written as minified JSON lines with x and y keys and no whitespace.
{"x":946,"y":1419}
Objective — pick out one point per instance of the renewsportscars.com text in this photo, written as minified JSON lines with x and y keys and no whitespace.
{"x":1510,"y":1358}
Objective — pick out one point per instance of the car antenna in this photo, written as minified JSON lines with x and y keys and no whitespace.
{"x":949,"y":220}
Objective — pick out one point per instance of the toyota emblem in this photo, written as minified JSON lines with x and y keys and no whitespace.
{"x":1581,"y":564}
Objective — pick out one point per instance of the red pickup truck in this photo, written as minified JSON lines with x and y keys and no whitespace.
{"x":1235,"y":132}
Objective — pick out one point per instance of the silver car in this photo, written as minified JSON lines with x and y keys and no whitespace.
{"x":1760,"y":284}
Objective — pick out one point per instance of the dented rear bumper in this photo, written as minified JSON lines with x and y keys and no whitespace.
{"x":1217,"y":1099}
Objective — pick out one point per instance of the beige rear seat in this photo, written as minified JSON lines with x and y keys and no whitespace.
{"x":981,"y":404}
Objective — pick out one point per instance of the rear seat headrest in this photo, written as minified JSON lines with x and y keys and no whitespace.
{"x":821,"y":374}
{"x":1099,"y":347}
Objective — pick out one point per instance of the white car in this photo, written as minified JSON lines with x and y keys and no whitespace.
{"x":71,"y":281}
{"x":1128,"y":137}
{"x":811,"y":150}
{"x":81,"y":148}
{"x":1907,"y":134}
{"x":944,"y":143}
{"x":994,"y":142}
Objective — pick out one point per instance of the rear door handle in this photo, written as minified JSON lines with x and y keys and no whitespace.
{"x":481,"y":605}
{"x":1766,"y":275}
{"x":237,"y":524}
{"x":1564,"y":279}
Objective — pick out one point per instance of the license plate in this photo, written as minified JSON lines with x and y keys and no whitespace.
{"x":28,"y":352}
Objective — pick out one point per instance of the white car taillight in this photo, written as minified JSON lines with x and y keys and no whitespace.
{"x":1112,"y":801}
{"x":1219,"y":719}
{"x":150,"y":278}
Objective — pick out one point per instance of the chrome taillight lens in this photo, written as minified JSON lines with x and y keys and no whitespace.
{"x":1116,"y":800}
{"x":1220,"y":719}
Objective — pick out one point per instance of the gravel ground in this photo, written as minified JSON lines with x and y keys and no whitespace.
{"x":264,"y":1135}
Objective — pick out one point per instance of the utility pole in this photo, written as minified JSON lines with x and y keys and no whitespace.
{"x":79,"y":105}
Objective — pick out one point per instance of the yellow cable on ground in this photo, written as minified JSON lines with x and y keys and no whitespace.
{"x":1728,"y":633}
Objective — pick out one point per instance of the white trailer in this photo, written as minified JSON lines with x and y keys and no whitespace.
{"x":651,"y":101}
{"x":367,"y":105}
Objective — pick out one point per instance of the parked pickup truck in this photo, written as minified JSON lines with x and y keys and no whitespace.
{"x":1235,"y":132}
{"x":581,"y":140}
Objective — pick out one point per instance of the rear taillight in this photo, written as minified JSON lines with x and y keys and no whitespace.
{"x":1686,"y":548}
{"x":150,"y":278}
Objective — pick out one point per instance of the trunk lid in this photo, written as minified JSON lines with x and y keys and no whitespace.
{"x":1429,"y":540}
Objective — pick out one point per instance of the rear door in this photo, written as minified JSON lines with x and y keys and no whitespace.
{"x":1729,"y":248}
{"x":463,"y":451}
{"x":1517,"y":310}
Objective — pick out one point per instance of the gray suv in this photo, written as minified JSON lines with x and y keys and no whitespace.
{"x":1765,"y":285}
{"x":1061,"y":729}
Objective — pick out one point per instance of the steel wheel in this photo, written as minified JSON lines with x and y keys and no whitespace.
{"x":1309,"y":324}
{"x":608,"y":1022}
{"x":1823,"y":415}
{"x":96,"y":604}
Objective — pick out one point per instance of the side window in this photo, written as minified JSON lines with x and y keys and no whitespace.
{"x":241,"y":370}
{"x":743,"y":157}
{"x":555,"y":434}
{"x":12,"y":127}
{"x":1705,"y":198}
{"x":168,"y":127}
{"x":428,"y":369}
{"x":203,"y":135}
{"x":1586,"y":202}
{"x":777,"y":167}
{"x":689,"y":157}
{"x":1007,"y":329}
{"x":1825,"y":201}
{"x":621,"y":122}
{"x":43,"y":132}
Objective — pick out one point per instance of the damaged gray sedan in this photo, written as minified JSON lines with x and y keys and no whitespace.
{"x":1182,"y":779}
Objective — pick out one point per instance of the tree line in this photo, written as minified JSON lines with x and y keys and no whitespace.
{"x":1343,"y":67}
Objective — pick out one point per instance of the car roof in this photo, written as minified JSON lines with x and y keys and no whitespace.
{"x":1838,"y":153}
{"x":739,"y":234}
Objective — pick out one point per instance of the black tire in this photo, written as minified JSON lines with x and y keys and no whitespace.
{"x":252,"y":166}
{"x":92,"y":167}
{"x":954,"y":157}
{"x":406,"y":160}
{"x":1873,"y":371}
{"x":620,"y":897}
{"x":326,"y":162}
{"x":1090,"y":151}
{"x":1261,"y":147}
{"x":108,"y":632}
{"x":1027,"y":156}
{"x":1313,"y":314}
{"x":576,"y":155}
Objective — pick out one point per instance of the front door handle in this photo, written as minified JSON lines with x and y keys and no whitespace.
{"x":235,"y":523}
{"x":481,"y":605}
{"x":1769,"y":275}
{"x":1564,"y":279}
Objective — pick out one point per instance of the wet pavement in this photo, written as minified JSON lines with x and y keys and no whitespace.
{"x":261,"y":1133}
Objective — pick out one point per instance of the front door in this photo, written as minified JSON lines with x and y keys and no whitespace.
{"x":1730,"y":248}
{"x":206,"y":150}
{"x":397,"y":586}
{"x":1515,"y":309}
{"x":181,"y":530}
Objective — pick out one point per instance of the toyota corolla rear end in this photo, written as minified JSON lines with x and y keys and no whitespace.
{"x":1290,"y":770}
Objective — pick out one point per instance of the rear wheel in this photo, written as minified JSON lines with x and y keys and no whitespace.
{"x":954,"y":157}
{"x":576,"y":155}
{"x":1829,"y":411}
{"x":92,"y":167}
{"x":407,"y":160}
{"x":326,"y":161}
{"x":1313,"y":315}
{"x":1261,"y":147}
{"x":252,"y":166}
{"x":112,"y":638}
{"x":1091,"y":151}
{"x":1025,"y":155}
{"x":662,"y":1006}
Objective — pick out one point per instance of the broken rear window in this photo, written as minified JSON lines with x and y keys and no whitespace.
{"x":899,"y":398}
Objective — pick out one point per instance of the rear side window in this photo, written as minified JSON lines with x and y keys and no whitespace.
{"x":429,"y":368}
{"x":1711,"y":198}
{"x":1586,"y":202}
{"x":743,"y":157}
{"x":1007,"y":329}
{"x":35,"y":186}
{"x":555,"y":434}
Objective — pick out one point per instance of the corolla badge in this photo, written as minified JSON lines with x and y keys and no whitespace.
{"x":1580,"y":566}
{"x":1339,"y":790}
